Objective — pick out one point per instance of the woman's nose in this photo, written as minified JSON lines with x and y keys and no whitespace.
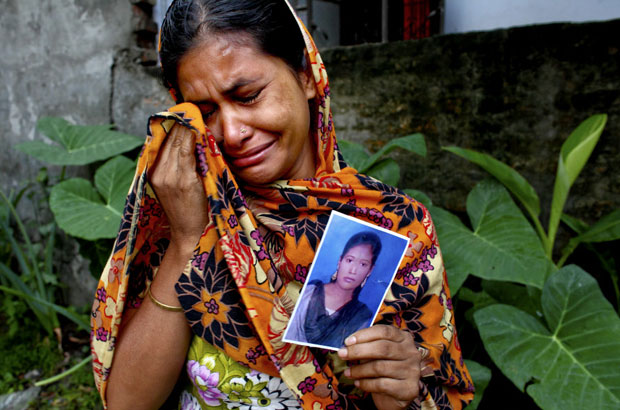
{"x":233,"y":130}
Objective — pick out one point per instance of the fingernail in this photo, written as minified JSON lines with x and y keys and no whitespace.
{"x":357,"y":383}
{"x":342,"y":353}
{"x":350,"y":340}
{"x":347,"y":372}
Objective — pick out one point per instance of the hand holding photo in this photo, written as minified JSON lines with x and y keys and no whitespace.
{"x":349,"y":277}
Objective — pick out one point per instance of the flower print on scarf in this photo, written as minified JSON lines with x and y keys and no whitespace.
{"x":202,"y":166}
{"x":300,"y":273}
{"x":428,"y":225}
{"x":347,"y":192}
{"x":150,"y":207}
{"x":413,"y":246}
{"x":238,"y":255}
{"x":230,"y":324}
{"x":114,"y":274}
{"x":200,"y":260}
{"x":101,"y":294}
{"x":102,"y":334}
{"x":206,"y":382}
{"x":189,"y":402}
{"x":307,"y":385}
{"x":232,"y":221}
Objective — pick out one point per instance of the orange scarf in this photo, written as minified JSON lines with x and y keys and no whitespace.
{"x":244,"y":278}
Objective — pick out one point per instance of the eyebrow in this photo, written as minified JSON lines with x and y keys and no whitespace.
{"x":230,"y":90}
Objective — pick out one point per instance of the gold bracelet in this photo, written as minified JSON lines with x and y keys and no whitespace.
{"x":163,"y":305}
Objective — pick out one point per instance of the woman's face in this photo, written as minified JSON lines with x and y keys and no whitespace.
{"x":354,"y":267}
{"x":255,"y":106}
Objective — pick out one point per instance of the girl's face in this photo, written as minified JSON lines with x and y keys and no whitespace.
{"x":354,"y":267}
{"x":255,"y":105}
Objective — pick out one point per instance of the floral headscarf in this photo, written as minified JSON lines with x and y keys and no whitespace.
{"x":240,"y":287}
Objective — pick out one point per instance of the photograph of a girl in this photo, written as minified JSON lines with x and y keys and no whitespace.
{"x":330,"y":307}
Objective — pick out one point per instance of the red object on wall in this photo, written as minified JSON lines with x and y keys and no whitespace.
{"x":417,"y":22}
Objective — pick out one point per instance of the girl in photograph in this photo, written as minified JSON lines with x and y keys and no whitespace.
{"x":331,"y":312}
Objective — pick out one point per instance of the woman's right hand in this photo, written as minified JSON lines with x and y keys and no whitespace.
{"x":179,"y":188}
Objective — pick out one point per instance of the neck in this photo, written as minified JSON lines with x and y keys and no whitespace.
{"x":336,"y":296}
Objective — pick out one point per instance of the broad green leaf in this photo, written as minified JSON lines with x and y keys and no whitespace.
{"x":502,"y":245}
{"x":506,"y":175}
{"x":77,"y":144}
{"x":386,"y":171}
{"x":573,"y":364}
{"x":354,"y":154}
{"x":482,"y":377}
{"x":413,"y":143}
{"x":456,"y":279}
{"x":573,"y":156}
{"x":522,"y":297}
{"x":113,"y":179}
{"x":80,"y":211}
{"x":419,"y":196}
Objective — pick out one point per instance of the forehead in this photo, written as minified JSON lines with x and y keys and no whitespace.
{"x":223,"y":61}
{"x":362,"y":250}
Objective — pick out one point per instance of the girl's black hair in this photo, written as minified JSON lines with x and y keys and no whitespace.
{"x":269,"y":22}
{"x":364,"y":238}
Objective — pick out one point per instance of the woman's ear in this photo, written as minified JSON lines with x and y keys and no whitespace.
{"x":306,"y":80}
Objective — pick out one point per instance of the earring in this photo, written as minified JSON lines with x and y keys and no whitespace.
{"x":334,"y":276}
{"x":364,"y":282}
{"x":243,"y":130}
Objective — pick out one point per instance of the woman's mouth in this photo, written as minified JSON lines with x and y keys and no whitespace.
{"x":251,"y":157}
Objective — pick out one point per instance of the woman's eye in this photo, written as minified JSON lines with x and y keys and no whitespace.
{"x":248,"y":98}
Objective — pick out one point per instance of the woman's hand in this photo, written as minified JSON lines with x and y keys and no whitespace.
{"x":390,"y":365}
{"x":179,"y":189}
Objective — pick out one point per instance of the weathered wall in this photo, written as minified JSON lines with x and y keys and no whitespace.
{"x":515,"y":94}
{"x":57,"y":60}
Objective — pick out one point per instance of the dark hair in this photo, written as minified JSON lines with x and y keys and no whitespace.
{"x":269,"y":22}
{"x":364,"y":238}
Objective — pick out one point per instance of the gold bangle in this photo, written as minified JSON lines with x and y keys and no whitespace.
{"x":163,"y":305}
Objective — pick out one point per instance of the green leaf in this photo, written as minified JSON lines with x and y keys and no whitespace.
{"x":456,"y":279}
{"x":573,"y":223}
{"x":502,"y":245}
{"x":482,"y":377}
{"x":354,"y":154}
{"x":77,"y":144}
{"x":419,"y":196}
{"x":606,"y":229}
{"x":522,"y":297}
{"x":573,"y":364}
{"x":80,"y":211}
{"x":413,"y":143}
{"x":113,"y":179}
{"x":573,"y":156}
{"x":506,"y":175}
{"x":386,"y":171}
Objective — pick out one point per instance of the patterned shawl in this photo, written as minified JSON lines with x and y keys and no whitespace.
{"x":240,"y":287}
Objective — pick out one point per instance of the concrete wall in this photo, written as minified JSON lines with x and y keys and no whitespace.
{"x":57,"y":60}
{"x":515,"y":94}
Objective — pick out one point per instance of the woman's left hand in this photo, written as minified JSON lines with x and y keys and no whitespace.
{"x":390,"y":365}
